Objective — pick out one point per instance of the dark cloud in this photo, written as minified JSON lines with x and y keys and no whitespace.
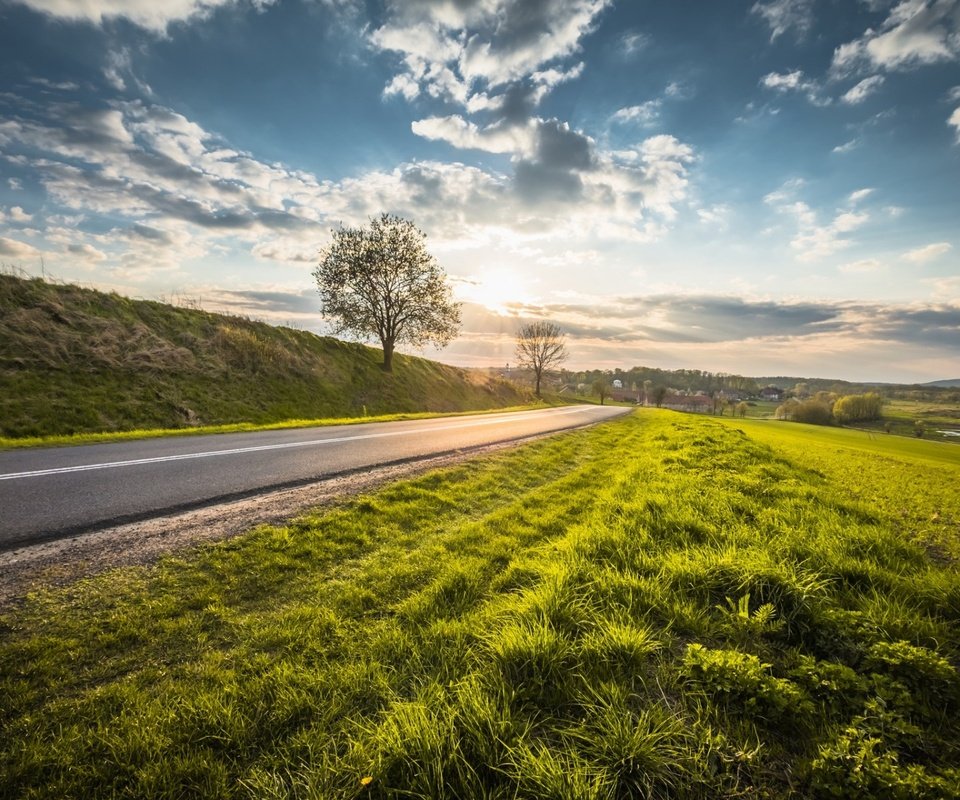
{"x":272,"y":303}
{"x":712,"y":319}
{"x":559,"y":146}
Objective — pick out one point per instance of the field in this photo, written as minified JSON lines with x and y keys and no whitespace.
{"x":665,"y":606}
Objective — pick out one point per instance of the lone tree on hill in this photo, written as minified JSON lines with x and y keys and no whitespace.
{"x":541,"y":347}
{"x":380,"y":282}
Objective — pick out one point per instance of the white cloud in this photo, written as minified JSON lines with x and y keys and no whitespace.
{"x":716,"y":215}
{"x":460,"y":133}
{"x":812,"y":240}
{"x":782,"y":15}
{"x":14,"y":248}
{"x":915,"y":32}
{"x":863,"y":265}
{"x":15,"y":184}
{"x":646,"y":113}
{"x":954,"y":120}
{"x":449,"y":49}
{"x":794,"y":81}
{"x":921,"y":255}
{"x":633,"y":42}
{"x":846,"y":147}
{"x":157,"y":178}
{"x":150,"y":14}
{"x":859,"y":194}
{"x":862,"y":90}
{"x":16,"y":214}
{"x":953,"y":96}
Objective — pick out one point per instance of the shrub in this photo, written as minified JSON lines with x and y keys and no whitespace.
{"x":814,"y":412}
{"x":858,"y":408}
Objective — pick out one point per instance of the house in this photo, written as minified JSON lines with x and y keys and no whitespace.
{"x":774,"y":393}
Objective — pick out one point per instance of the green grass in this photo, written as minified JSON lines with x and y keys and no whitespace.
{"x":658,"y":607}
{"x":913,"y":481}
{"x":75,"y":361}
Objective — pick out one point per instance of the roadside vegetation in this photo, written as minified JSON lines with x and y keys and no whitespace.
{"x":664,"y":606}
{"x":74,"y":360}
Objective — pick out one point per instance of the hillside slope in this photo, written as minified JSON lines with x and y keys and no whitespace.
{"x":77,"y":360}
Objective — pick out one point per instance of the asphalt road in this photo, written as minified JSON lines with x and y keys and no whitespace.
{"x":54,"y":492}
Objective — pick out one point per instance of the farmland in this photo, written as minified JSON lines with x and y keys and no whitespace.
{"x":666,"y":606}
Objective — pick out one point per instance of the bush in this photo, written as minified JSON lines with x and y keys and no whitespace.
{"x":813,"y":412}
{"x":858,"y":408}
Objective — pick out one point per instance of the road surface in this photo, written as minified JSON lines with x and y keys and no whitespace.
{"x":53,"y":492}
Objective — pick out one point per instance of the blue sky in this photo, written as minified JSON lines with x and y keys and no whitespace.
{"x":760,"y":188}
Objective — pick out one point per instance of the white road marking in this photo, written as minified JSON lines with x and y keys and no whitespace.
{"x":258,"y":448}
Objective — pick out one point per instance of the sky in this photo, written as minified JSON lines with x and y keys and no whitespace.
{"x":758,"y":188}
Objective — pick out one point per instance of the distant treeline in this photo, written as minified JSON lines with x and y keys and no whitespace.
{"x":695,"y":380}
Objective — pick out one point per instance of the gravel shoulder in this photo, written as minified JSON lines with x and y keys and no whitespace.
{"x":61,"y":562}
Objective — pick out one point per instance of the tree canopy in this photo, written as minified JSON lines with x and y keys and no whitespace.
{"x":541,"y":347}
{"x":380,"y":281}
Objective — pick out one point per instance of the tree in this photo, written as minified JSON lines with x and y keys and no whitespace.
{"x":741,"y":409}
{"x":659,"y":395}
{"x":380,"y":282}
{"x":541,"y":347}
{"x":601,"y":388}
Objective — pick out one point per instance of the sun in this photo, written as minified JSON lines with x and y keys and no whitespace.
{"x":496,"y":289}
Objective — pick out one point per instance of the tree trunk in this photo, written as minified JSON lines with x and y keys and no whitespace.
{"x":538,"y":384}
{"x":388,"y":356}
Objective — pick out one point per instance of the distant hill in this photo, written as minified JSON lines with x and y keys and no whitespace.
{"x":948,"y":384}
{"x":78,"y":360}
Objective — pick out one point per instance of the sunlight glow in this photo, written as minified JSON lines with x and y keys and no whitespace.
{"x":496,"y":289}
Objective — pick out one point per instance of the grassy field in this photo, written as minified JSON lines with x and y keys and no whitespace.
{"x":941,"y":420}
{"x":663,"y":606}
{"x":73,"y":360}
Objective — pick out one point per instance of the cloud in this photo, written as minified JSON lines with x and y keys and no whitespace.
{"x":447,"y":48}
{"x":859,"y":194}
{"x":795,"y":81}
{"x":813,"y":240}
{"x":783,"y":15}
{"x":16,"y":214}
{"x":954,"y":120}
{"x":86,"y":252}
{"x":916,"y":32}
{"x":863,"y":265}
{"x":16,"y":249}
{"x":921,"y":255}
{"x":847,"y":147}
{"x":646,"y":113}
{"x":149,"y":14}
{"x":632,"y":42}
{"x":862,"y":90}
{"x":701,"y":319}
{"x":498,"y":138}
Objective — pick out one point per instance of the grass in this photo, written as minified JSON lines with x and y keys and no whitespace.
{"x":76,"y":361}
{"x":662,"y":606}
{"x":913,"y":481}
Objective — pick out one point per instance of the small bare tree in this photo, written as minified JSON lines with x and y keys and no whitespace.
{"x":541,"y":347}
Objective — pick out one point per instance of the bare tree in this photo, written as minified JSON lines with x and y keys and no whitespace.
{"x":541,"y":347}
{"x":380,"y":282}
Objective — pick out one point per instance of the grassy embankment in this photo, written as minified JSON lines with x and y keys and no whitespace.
{"x":74,"y":360}
{"x":658,"y":607}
